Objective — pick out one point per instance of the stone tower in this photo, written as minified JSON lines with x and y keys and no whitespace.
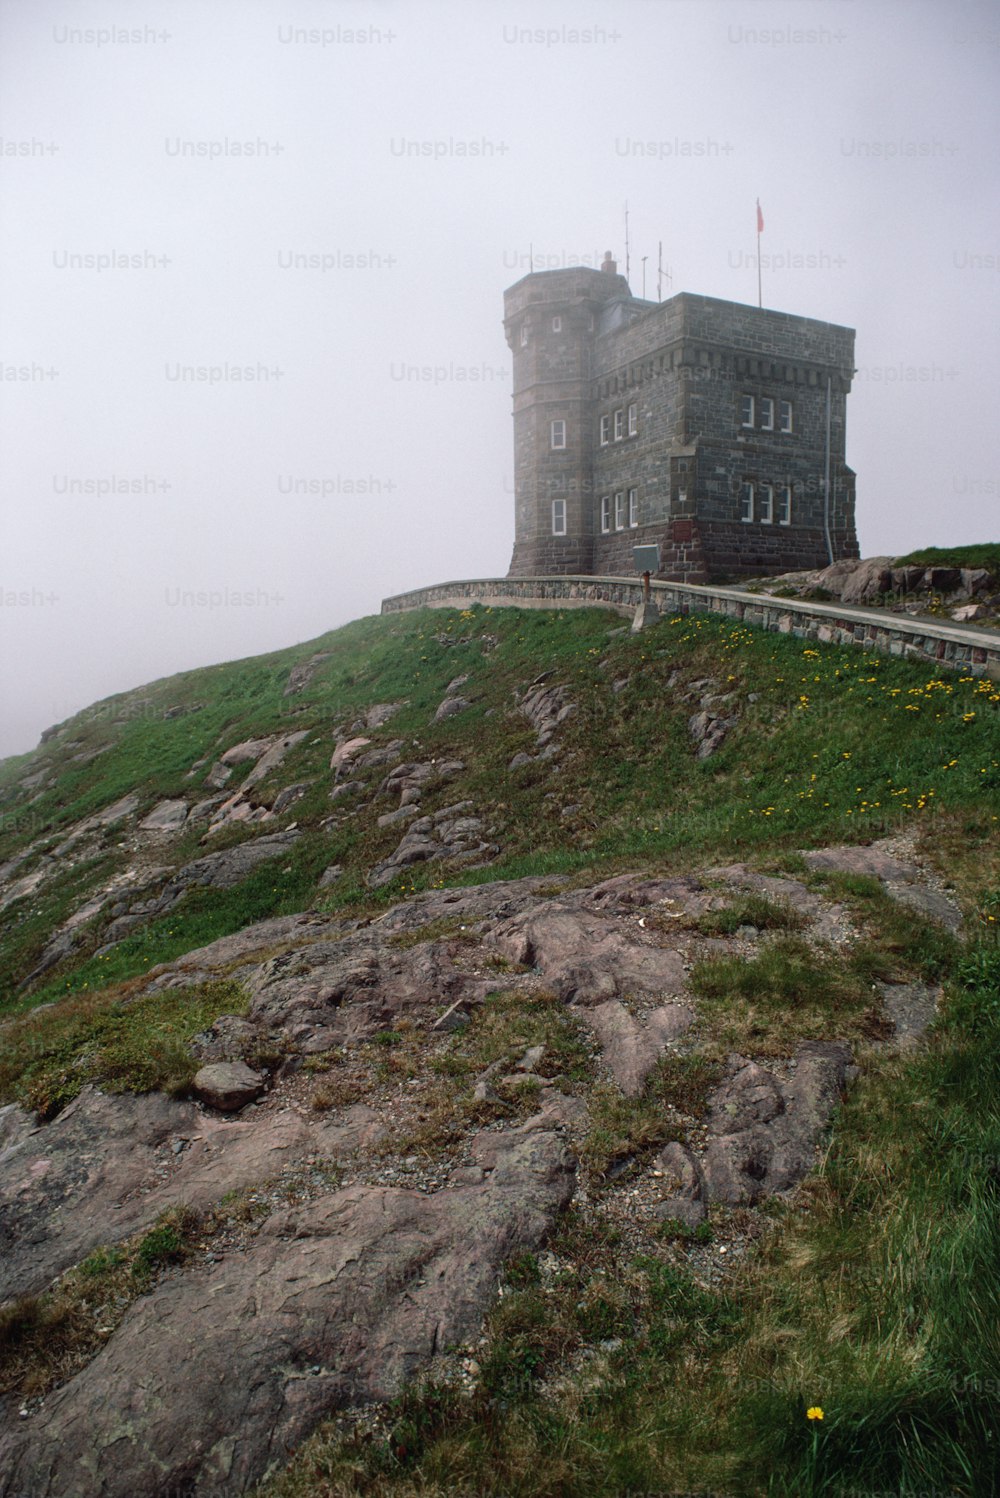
{"x":550,"y":319}
{"x":695,"y":423}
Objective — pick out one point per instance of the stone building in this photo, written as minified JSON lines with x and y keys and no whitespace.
{"x":694,"y":423}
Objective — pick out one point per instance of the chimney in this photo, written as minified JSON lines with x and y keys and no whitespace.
{"x":610,"y":266}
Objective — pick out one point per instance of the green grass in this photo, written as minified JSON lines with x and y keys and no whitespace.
{"x":623,"y":1130}
{"x":787,"y":993}
{"x":119,"y":1042}
{"x":750,"y":910}
{"x":986,"y":555}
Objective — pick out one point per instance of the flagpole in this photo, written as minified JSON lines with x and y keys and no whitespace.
{"x":760,"y":225}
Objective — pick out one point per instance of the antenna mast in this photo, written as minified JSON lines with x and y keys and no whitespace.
{"x":626,"y":243}
{"x":661,"y":274}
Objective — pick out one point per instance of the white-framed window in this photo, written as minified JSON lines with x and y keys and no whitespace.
{"x":559,"y":517}
{"x":765,"y":503}
{"x":785,"y":416}
{"x":633,"y":419}
{"x":746,"y":410}
{"x":620,"y":510}
{"x":633,"y":508}
{"x":619,"y":425}
{"x":524,"y":335}
{"x":557,"y":325}
{"x":785,"y":505}
{"x":746,"y":501}
{"x":605,"y":430}
{"x":605,"y":514}
{"x":557,"y":434}
{"x":766,"y":414}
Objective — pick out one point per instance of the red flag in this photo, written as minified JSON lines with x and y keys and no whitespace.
{"x":760,"y":217}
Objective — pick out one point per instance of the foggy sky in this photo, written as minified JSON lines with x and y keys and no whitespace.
{"x":299,"y":374}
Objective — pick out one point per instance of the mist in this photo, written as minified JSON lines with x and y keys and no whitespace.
{"x":254,"y":376}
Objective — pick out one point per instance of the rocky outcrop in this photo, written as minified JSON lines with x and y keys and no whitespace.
{"x":109,"y":1165}
{"x":301,"y":675}
{"x":219,"y":870}
{"x":233,"y":1357}
{"x":453,"y":702}
{"x":546,"y":707}
{"x":968,"y":593}
{"x":453,"y":833}
{"x":335,"y":1304}
{"x":585,"y":956}
{"x":906,"y":882}
{"x":166,"y":816}
{"x":763,"y":1128}
{"x":632,"y":1048}
{"x":268,"y":755}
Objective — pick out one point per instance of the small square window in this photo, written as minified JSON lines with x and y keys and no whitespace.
{"x":605,"y":514}
{"x":785,"y":505}
{"x":765,"y":504}
{"x":559,"y":517}
{"x":524,"y":335}
{"x":633,"y":419}
{"x":785,"y":416}
{"x":557,"y":325}
{"x":620,"y":510}
{"x":619,"y":425}
{"x":558,"y":434}
{"x":633,"y":508}
{"x":746,"y":410}
{"x":766,"y":414}
{"x":605,"y":430}
{"x":746,"y":502}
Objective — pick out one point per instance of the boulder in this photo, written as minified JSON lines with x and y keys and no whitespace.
{"x":450,"y":707}
{"x":228,"y":1085}
{"x":218,"y":775}
{"x":977,"y":580}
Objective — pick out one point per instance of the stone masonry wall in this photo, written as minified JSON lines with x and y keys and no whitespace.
{"x":945,"y":646}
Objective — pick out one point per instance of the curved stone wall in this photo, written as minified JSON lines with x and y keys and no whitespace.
{"x":939,"y":643}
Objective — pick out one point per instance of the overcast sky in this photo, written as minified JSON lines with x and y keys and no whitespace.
{"x":331,"y":198}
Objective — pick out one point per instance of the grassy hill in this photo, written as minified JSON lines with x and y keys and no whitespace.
{"x":875,"y":1294}
{"x":829,"y":745}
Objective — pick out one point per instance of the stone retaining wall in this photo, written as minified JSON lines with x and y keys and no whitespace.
{"x":938,"y":643}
